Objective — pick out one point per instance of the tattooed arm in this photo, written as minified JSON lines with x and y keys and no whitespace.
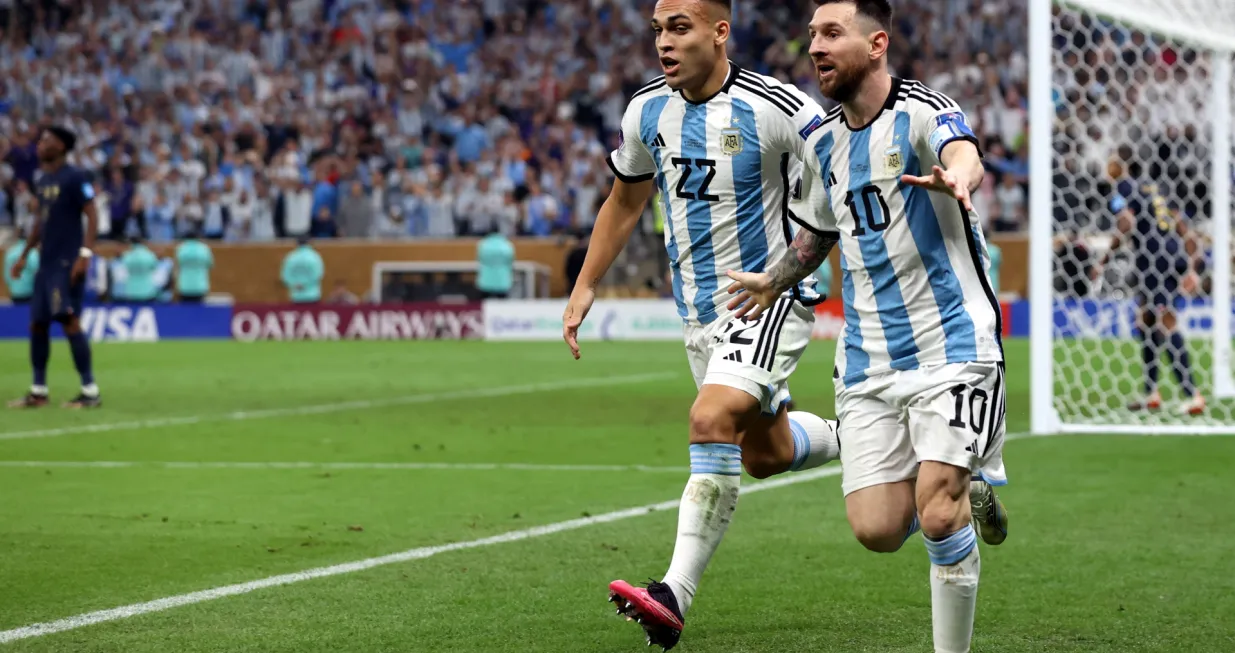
{"x":759,"y":290}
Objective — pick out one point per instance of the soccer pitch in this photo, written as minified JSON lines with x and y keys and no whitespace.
{"x":516,"y":483}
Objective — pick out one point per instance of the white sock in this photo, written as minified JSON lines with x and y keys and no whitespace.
{"x":40,"y":390}
{"x":955,"y":567}
{"x":815,"y":441}
{"x":91,"y":390}
{"x":707,"y":506}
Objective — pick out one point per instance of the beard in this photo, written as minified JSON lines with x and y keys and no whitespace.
{"x":847,"y":84}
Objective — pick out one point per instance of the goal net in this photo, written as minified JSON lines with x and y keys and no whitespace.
{"x":1131,"y":215}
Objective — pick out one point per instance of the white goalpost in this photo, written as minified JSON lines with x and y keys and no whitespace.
{"x":1146,"y":85}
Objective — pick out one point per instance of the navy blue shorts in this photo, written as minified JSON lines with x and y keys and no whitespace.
{"x":55,"y":297}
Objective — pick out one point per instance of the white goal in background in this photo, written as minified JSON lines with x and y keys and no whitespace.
{"x":1148,"y":83}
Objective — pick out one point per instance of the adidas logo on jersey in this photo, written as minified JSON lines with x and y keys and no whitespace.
{"x":659,"y":141}
{"x":831,"y":179}
{"x":735,"y":357}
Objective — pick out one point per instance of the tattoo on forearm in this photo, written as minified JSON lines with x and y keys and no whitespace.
{"x":806,"y":253}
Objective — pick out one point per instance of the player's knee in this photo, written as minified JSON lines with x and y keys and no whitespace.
{"x":712,"y":423}
{"x":881,"y":531}
{"x":39,"y":328}
{"x":942,"y":517}
{"x":880,"y":538}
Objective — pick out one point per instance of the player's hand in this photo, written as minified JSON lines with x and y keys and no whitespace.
{"x":577,"y":309}
{"x":754,"y":291}
{"x":943,"y":181}
{"x":18,"y":268}
{"x":79,"y":270}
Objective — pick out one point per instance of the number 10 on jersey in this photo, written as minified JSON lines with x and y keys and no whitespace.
{"x":868,"y":209}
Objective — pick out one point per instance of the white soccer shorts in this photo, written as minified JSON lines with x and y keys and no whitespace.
{"x":951,"y":413}
{"x":756,"y":356}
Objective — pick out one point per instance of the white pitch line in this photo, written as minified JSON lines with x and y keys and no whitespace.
{"x":298,"y":411}
{"x":124,"y":612}
{"x":529,"y":467}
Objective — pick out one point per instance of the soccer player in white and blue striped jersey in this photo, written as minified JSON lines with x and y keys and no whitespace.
{"x":919,"y":370}
{"x":723,"y":147}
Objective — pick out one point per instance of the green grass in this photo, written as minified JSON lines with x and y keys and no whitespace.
{"x":1119,"y":543}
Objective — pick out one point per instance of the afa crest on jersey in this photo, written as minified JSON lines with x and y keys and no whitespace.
{"x":893,"y":161}
{"x":731,"y":142}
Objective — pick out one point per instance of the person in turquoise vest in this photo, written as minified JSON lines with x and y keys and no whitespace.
{"x":193,"y":262}
{"x":995,"y":256}
{"x":140,"y":265}
{"x":302,"y":273}
{"x":495,"y":256}
{"x":20,"y":288}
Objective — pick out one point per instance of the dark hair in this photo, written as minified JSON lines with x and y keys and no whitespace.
{"x":879,"y":11}
{"x":727,"y":5}
{"x":64,"y":135}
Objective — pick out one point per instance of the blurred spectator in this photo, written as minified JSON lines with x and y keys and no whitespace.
{"x":438,"y":210}
{"x":21,"y":287}
{"x":302,"y":273}
{"x":122,"y":205}
{"x":324,"y":225}
{"x":540,"y":210}
{"x":140,"y":266}
{"x":1009,"y":205}
{"x":355,"y":212}
{"x":495,"y":258}
{"x":341,"y":295}
{"x":194,"y":261}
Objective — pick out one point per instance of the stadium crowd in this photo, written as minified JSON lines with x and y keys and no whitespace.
{"x":252,"y":120}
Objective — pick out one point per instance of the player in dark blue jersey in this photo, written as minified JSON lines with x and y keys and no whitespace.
{"x":1150,"y":228}
{"x":64,"y":240}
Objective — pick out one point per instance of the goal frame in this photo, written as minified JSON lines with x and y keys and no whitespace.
{"x":1043,"y":416}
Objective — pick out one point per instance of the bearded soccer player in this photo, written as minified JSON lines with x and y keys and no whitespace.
{"x":64,"y":194}
{"x":721,"y":145}
{"x":919,"y":370}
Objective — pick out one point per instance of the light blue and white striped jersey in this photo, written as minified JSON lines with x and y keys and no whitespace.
{"x":724,"y":169}
{"x":913,"y":279}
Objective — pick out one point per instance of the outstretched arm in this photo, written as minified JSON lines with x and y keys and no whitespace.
{"x":759,"y":290}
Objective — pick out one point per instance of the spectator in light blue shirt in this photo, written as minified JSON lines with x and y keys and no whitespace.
{"x":193,"y":260}
{"x":302,"y":273}
{"x":22,"y":287}
{"x":472,"y":140}
{"x":140,"y":265}
{"x":495,"y":258}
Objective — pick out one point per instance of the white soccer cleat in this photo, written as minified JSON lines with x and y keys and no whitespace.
{"x":1152,"y":402}
{"x":1193,"y":406}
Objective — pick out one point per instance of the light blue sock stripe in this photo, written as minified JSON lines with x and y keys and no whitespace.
{"x":801,"y":445}
{"x":953,"y":548}
{"x":914,"y":527}
{"x":711,"y":458}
